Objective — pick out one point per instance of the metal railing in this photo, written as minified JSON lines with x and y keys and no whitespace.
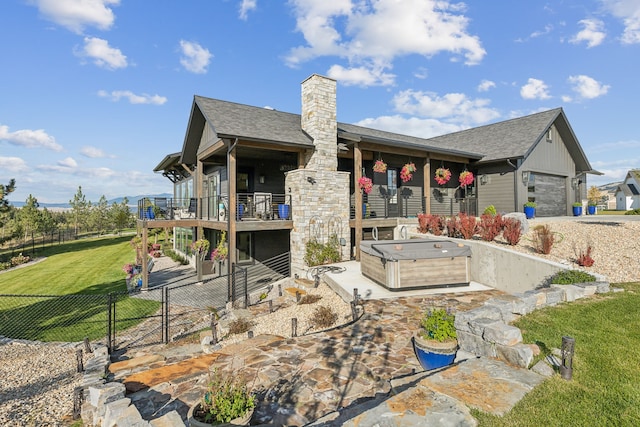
{"x":250,"y":206}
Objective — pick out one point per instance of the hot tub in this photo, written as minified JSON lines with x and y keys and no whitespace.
{"x":414,"y":264}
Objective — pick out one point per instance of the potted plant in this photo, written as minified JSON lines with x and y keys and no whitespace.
{"x":577,"y":209}
{"x":365,"y":184}
{"x":591,"y":209}
{"x":407,"y":171}
{"x":380,"y":166}
{"x":435,"y":343}
{"x":530,"y":209}
{"x":443,"y":175}
{"x":226,"y":402}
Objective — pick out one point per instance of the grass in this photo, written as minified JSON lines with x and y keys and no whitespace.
{"x":609,"y":212}
{"x":64,"y":297}
{"x":605,"y":390}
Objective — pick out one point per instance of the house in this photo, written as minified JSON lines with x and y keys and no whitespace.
{"x":628,"y":192}
{"x":273,"y":181}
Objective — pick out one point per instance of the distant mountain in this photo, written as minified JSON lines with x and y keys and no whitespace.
{"x":132,"y":201}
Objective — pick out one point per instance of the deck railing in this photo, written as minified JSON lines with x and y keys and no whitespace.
{"x":250,"y":206}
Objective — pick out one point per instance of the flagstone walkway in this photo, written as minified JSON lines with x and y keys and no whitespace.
{"x":343,"y":376}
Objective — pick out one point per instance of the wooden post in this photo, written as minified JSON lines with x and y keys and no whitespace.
{"x":294,"y":327}
{"x":427,"y":185}
{"x":357,"y":169}
{"x":143,"y":255}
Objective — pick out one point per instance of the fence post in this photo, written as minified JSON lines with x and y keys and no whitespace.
{"x":166,"y":314}
{"x":246,"y":288}
{"x":109,"y":349}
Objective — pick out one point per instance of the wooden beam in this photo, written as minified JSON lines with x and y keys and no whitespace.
{"x":426,"y":168}
{"x":233,"y":207}
{"x":209,"y":151}
{"x":271,"y":146}
{"x":357,"y":167}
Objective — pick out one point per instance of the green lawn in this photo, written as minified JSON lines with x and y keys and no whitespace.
{"x":605,"y":389}
{"x":67,"y":292}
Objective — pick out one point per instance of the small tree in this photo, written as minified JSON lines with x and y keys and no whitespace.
{"x":594,"y":195}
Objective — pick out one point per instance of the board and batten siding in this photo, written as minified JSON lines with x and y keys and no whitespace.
{"x":550,"y":157}
{"x":498,"y":191}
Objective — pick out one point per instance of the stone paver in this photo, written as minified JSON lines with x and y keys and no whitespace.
{"x":329,"y":374}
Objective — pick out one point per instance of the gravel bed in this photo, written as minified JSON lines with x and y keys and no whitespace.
{"x":615,"y":246}
{"x":37,"y":383}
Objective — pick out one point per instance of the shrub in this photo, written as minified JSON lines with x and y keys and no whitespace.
{"x":584,"y":257}
{"x":323,"y":317}
{"x":543,"y":239}
{"x":317,"y":253}
{"x":512,"y":231}
{"x":240,"y":326}
{"x":309,"y":299}
{"x":490,"y":226}
{"x":468,"y":226}
{"x":433,"y":224}
{"x":20,"y":259}
{"x":633,"y":212}
{"x":490,"y":210}
{"x":567,"y":277}
{"x":225,"y":399}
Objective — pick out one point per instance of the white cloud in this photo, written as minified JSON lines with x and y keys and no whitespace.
{"x":92,"y":152}
{"x":245,"y":7}
{"x":29,"y":138}
{"x":547,"y":29}
{"x":195,"y":58}
{"x":75,"y":15}
{"x":144,"y":98}
{"x":102,"y":54}
{"x":68,"y":162}
{"x":592,"y":33}
{"x":454,"y":107}
{"x":535,"y":89}
{"x":13,"y":165}
{"x":361,"y":76}
{"x":629,"y":12}
{"x":373,"y":34}
{"x":485,"y":85}
{"x":423,"y":128}
{"x":588,"y":87}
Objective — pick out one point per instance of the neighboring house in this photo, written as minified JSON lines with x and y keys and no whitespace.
{"x":628,"y":193}
{"x":241,"y":167}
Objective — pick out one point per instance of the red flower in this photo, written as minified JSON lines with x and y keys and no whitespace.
{"x":465,"y":178}
{"x":365,"y":184}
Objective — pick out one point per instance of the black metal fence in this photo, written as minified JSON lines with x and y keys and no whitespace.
{"x":119,"y":319}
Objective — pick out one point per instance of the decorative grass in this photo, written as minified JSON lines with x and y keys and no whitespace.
{"x":605,"y":390}
{"x":64,"y":297}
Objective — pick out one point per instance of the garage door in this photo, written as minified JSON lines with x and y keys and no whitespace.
{"x":550,"y":194}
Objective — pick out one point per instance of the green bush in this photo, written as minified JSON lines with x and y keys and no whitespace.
{"x":438,"y":324}
{"x":490,"y":210}
{"x":633,"y":212}
{"x":567,"y":277}
{"x":317,"y":253}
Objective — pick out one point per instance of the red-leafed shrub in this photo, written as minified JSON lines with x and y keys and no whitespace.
{"x":490,"y":226}
{"x":584,"y":258}
{"x":462,"y":226}
{"x":423,"y":222}
{"x":511,"y":230}
{"x":433,"y":224}
{"x":543,"y":239}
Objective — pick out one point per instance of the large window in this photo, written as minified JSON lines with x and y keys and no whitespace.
{"x":183,"y":239}
{"x":245,"y":251}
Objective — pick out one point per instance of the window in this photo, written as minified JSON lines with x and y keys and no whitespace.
{"x":392,"y":185}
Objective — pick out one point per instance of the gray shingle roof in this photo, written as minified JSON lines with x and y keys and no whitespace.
{"x":503,"y":140}
{"x":231,"y":119}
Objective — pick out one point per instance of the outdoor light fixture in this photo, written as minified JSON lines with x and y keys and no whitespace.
{"x":525,"y":177}
{"x":566,"y":367}
{"x":311,"y":180}
{"x":574,"y":183}
{"x":484,"y":179}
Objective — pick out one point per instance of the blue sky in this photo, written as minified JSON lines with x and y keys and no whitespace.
{"x":96,"y":92}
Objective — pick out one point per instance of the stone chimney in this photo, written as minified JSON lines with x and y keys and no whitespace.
{"x":319,"y":121}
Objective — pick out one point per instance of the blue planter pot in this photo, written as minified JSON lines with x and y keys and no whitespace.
{"x":283,"y":211}
{"x":591,"y":210}
{"x":240,"y":212}
{"x":577,"y":210}
{"x":431,"y":357}
{"x":364,"y":210}
{"x":529,"y":212}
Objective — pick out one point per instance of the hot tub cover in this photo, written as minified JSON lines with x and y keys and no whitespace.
{"x":394,"y":250}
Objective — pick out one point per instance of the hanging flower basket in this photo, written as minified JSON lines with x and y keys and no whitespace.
{"x":365,"y":184}
{"x":380,"y":166}
{"x":465,"y":178}
{"x":406,"y":173}
{"x":221,"y":251}
{"x":443,"y":175}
